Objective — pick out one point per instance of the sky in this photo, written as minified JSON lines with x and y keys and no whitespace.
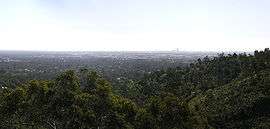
{"x":134,"y":25}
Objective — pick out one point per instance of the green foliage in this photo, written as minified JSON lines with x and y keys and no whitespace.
{"x":228,"y":91}
{"x":168,"y":111}
{"x":236,"y":105}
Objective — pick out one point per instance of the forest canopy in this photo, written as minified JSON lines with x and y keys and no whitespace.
{"x":222,"y":92}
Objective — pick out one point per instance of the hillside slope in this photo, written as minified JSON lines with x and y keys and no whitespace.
{"x":240,"y":104}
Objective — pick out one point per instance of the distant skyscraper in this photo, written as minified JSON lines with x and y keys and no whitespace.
{"x":176,"y":50}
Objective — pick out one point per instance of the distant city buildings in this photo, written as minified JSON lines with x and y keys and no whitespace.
{"x":176,"y":50}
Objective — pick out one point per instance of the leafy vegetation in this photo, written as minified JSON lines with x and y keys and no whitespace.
{"x":223,"y":92}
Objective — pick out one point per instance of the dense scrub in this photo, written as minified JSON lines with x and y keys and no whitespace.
{"x":228,"y":91}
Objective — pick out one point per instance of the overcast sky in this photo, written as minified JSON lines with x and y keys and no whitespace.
{"x":134,"y":25}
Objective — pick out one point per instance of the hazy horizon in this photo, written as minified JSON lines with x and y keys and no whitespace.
{"x":172,"y":50}
{"x":126,"y":25}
